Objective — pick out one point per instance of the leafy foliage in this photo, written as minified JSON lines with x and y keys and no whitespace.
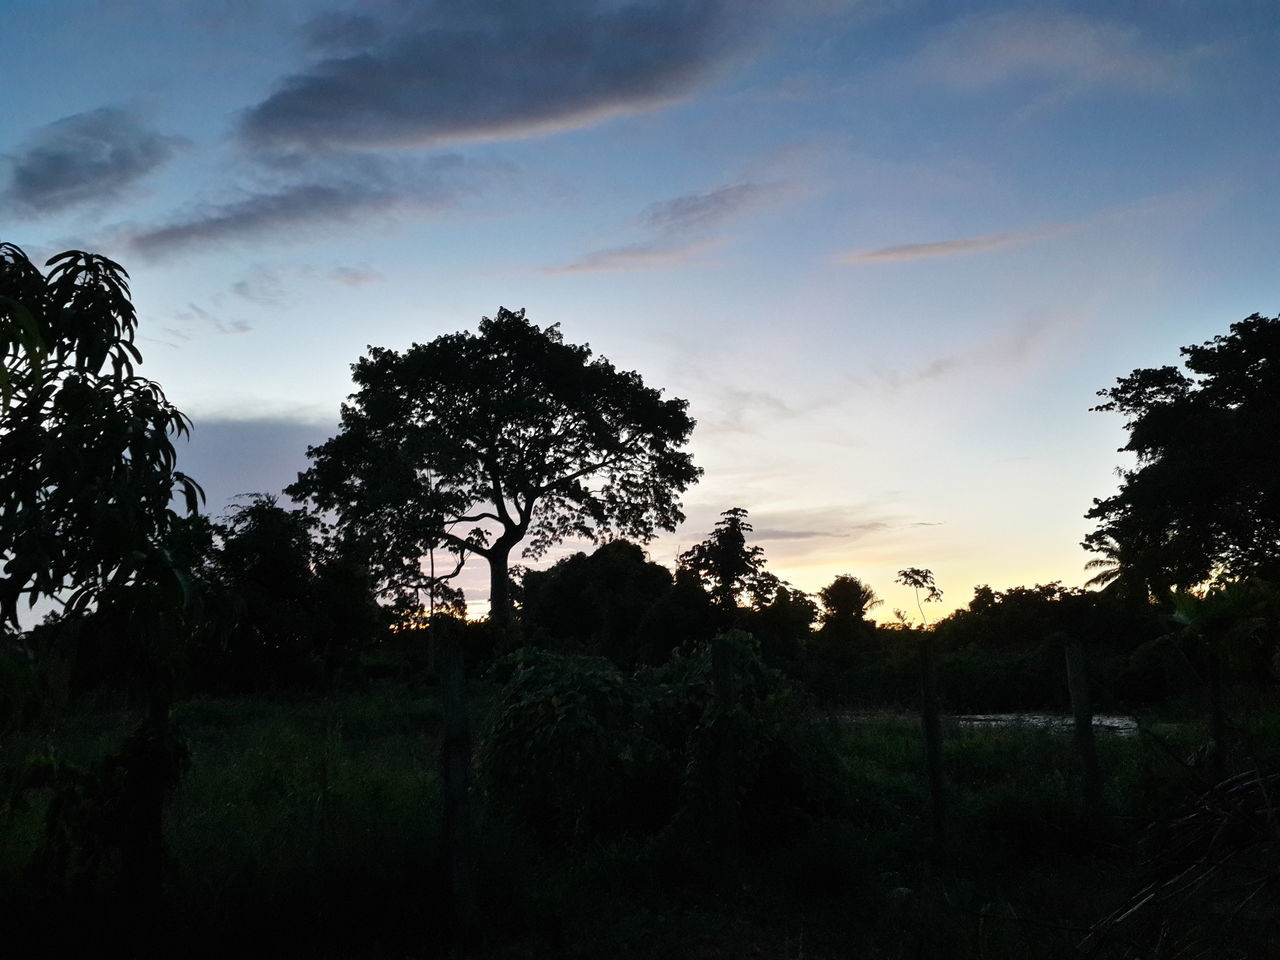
{"x":1203,"y":500}
{"x":475,"y":443}
{"x":87,"y":463}
{"x":728,"y":567}
{"x":599,"y":603}
{"x":846,"y":600}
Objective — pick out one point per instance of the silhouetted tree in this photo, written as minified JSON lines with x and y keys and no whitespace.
{"x":87,"y":463}
{"x":87,"y":481}
{"x":476,"y":443}
{"x":728,"y":567}
{"x":599,"y":603}
{"x":1203,"y":499}
{"x":846,"y":601}
{"x":782,"y":626}
{"x":918,"y":578}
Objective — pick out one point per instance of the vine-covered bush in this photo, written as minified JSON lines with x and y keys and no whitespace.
{"x":579,"y":750}
{"x":569,"y":751}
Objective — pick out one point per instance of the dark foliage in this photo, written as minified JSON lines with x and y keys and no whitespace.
{"x":599,"y":603}
{"x":87,"y":463}
{"x":511,"y":436}
{"x":728,"y":568}
{"x":1204,"y":499}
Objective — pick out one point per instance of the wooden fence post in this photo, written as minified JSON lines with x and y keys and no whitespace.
{"x":1086,"y":748}
{"x":931,"y":721}
{"x":455,"y":763}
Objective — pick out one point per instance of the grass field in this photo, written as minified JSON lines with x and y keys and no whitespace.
{"x":311,"y":828}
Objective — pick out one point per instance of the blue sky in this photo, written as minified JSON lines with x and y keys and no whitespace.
{"x":887,"y":249}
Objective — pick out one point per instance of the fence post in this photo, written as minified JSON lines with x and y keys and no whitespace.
{"x":1086,"y":749}
{"x":931,"y":721}
{"x":722,"y":657}
{"x":455,"y":763}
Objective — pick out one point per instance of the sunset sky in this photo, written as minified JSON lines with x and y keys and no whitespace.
{"x":888,"y":250}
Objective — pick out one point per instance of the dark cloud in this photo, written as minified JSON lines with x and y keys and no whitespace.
{"x":293,"y":206}
{"x":454,"y":70}
{"x":768,"y":533}
{"x":230,"y":456}
{"x":306,"y":193}
{"x":83,"y":158}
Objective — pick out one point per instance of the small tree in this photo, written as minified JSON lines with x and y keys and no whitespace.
{"x":919,"y":579}
{"x":87,"y":479}
{"x":87,"y":463}
{"x":477,"y":443}
{"x":846,"y":601}
{"x":728,"y":567}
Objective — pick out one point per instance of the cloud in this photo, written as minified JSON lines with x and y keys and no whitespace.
{"x":1010,"y":350}
{"x":230,"y":456}
{"x":308,"y":192}
{"x":701,"y":210}
{"x":939,"y":248}
{"x":292,"y":206}
{"x":679,"y":229}
{"x":198,"y":316}
{"x":1019,"y":45}
{"x":262,"y":287}
{"x":455,"y":71}
{"x":354,"y":276}
{"x":819,"y":523}
{"x":640,"y":256}
{"x":84,"y":158}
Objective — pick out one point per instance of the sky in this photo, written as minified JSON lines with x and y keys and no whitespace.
{"x":888,"y":250}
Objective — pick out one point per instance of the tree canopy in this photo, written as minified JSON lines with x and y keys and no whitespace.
{"x":475,"y":443}
{"x":728,"y":567}
{"x":1204,"y":497}
{"x":87,"y":463}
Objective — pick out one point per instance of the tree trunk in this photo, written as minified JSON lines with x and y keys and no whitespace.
{"x":500,"y":584}
{"x":932,"y":724}
{"x":455,"y":763}
{"x":1217,"y":712}
{"x":1086,"y":749}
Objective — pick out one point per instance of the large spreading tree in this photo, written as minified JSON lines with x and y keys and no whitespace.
{"x":1203,"y":500}
{"x":477,"y":443}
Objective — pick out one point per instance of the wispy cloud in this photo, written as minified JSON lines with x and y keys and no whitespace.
{"x":938,"y":248}
{"x":195,"y":316}
{"x":680,"y":229}
{"x":962,"y":246}
{"x":356,"y":276}
{"x":988,"y":49}
{"x":262,"y":287}
{"x":339,"y":189}
{"x":697,"y":211}
{"x":454,"y":70}
{"x":291,"y":206}
{"x":85,"y":158}
{"x":640,"y":256}
{"x":1011,"y":349}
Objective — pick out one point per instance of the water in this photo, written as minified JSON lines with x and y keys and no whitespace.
{"x":1120,"y":726}
{"x":1103,"y":723}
